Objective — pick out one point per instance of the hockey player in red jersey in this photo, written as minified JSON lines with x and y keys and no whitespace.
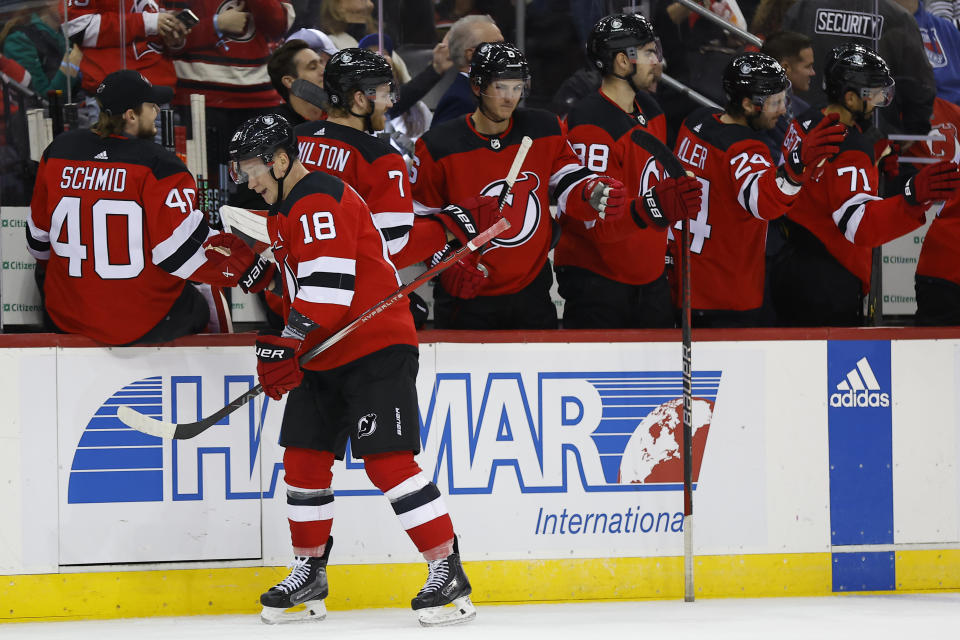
{"x":611,"y":271}
{"x":510,"y":287}
{"x":823,"y":271}
{"x":94,"y":26}
{"x":742,"y":188}
{"x":334,"y":267}
{"x":114,"y":227}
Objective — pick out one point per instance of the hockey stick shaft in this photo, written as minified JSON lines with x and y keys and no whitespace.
{"x":688,"y":588}
{"x":525,"y":143}
{"x":189,"y":430}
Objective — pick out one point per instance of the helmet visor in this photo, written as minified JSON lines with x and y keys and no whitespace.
{"x":507,"y":89}
{"x":242,"y":170}
{"x":650,"y":53}
{"x":878,"y":97}
{"x":382,"y":93}
{"x":774,"y":102}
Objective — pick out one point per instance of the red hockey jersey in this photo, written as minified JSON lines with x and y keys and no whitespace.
{"x":95,"y":26}
{"x":599,"y":131}
{"x":741,"y":191}
{"x":335,"y":267}
{"x":454,"y":162}
{"x":230,"y":70}
{"x":372,"y":167}
{"x":117,"y":220}
{"x":839,"y":203}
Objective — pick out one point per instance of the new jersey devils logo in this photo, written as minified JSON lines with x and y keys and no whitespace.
{"x":522,"y":208}
{"x":367,"y":425}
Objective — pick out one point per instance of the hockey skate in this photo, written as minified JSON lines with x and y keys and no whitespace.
{"x":306,"y":585}
{"x":445,"y":598}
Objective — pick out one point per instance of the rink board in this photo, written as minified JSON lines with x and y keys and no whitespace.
{"x":826,"y":462}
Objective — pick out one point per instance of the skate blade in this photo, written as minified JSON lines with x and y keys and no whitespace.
{"x":457,"y":612}
{"x":314,"y":610}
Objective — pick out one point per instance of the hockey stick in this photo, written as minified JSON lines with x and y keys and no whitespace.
{"x":672,"y":165}
{"x":187,"y":430}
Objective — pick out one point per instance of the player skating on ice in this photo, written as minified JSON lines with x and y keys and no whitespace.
{"x":334,"y":267}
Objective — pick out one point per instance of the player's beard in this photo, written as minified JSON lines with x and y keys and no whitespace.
{"x":378,"y":121}
{"x":147,"y":130}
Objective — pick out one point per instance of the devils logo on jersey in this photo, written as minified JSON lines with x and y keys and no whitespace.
{"x":521,"y":207}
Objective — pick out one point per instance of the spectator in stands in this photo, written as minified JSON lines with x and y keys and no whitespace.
{"x":34,"y":40}
{"x":464,"y":37}
{"x":296,"y":60}
{"x":346,"y":21}
{"x":949,"y":9}
{"x":794,"y":52}
{"x":95,"y":28}
{"x":768,"y":16}
{"x":225,"y":59}
{"x":831,"y":23}
{"x":941,"y":41}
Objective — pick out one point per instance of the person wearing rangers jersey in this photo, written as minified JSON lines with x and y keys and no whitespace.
{"x":509,"y":286}
{"x":820,"y":276}
{"x":742,"y":188}
{"x":114,"y":228}
{"x":363,"y":389}
{"x":94,"y":26}
{"x":611,"y":272}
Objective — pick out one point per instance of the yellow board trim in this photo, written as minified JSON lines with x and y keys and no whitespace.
{"x":236,"y":590}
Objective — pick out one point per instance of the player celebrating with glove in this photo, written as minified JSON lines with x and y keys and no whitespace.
{"x":509,"y":286}
{"x":363,"y":388}
{"x":742,"y":188}
{"x":824,"y":270}
{"x":611,"y":271}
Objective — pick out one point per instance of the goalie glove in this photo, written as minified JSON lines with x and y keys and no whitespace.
{"x":238,"y":264}
{"x":599,"y":197}
{"x":940,"y":181}
{"x":821,"y":143}
{"x":672,"y":200}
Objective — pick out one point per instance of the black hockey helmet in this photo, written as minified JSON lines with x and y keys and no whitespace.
{"x":260,"y":137}
{"x":352,"y":70}
{"x":755,"y":76}
{"x":853,"y":67}
{"x":617,"y":33}
{"x":498,"y":61}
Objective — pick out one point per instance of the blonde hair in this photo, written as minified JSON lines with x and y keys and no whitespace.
{"x":331,"y":21}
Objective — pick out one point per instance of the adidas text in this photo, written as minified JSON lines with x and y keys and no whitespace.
{"x":860,"y":399}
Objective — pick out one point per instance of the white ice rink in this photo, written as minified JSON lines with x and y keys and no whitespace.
{"x":869,"y":617}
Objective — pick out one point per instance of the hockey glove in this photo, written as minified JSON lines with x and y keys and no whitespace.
{"x":822,"y":142}
{"x":887,"y":154}
{"x":277,"y":366}
{"x":465,"y":278}
{"x":939,"y":181}
{"x":600,"y":196}
{"x":458,"y":221}
{"x":672,"y":200}
{"x":238,"y":263}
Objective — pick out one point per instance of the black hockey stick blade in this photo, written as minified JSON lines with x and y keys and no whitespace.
{"x":170,"y":430}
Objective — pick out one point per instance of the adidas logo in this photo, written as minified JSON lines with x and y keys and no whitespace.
{"x":101,"y":156}
{"x":697,"y":128}
{"x":320,"y":132}
{"x":806,"y":124}
{"x":860,"y":389}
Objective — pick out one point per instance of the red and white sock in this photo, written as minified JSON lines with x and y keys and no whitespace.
{"x":308,"y":475}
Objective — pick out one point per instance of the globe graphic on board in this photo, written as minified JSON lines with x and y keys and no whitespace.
{"x":653,"y":452}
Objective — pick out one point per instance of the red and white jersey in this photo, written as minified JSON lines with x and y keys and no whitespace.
{"x":940,"y":255}
{"x":371,"y":166}
{"x":96,"y":25}
{"x":335,"y":267}
{"x":839,"y":203}
{"x":117,"y":220}
{"x":230,"y":70}
{"x":454,"y":162}
{"x":741,"y":191}
{"x":599,"y":132}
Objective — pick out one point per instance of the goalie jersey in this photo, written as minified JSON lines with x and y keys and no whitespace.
{"x":455,"y":162}
{"x":839,"y":203}
{"x":116,"y":218}
{"x":335,"y":267}
{"x":599,"y":132}
{"x":741,"y":191}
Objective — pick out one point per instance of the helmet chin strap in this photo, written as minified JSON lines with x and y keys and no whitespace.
{"x":629,"y":78}
{"x":280,"y":179}
{"x":366,"y":117}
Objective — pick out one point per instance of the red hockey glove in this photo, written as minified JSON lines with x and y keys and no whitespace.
{"x":887,"y":164}
{"x":600,"y":196}
{"x":465,"y":278}
{"x":822,"y":142}
{"x":939,"y":181}
{"x":672,"y":200}
{"x":277,"y":367}
{"x":238,"y":263}
{"x":484,"y":209}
